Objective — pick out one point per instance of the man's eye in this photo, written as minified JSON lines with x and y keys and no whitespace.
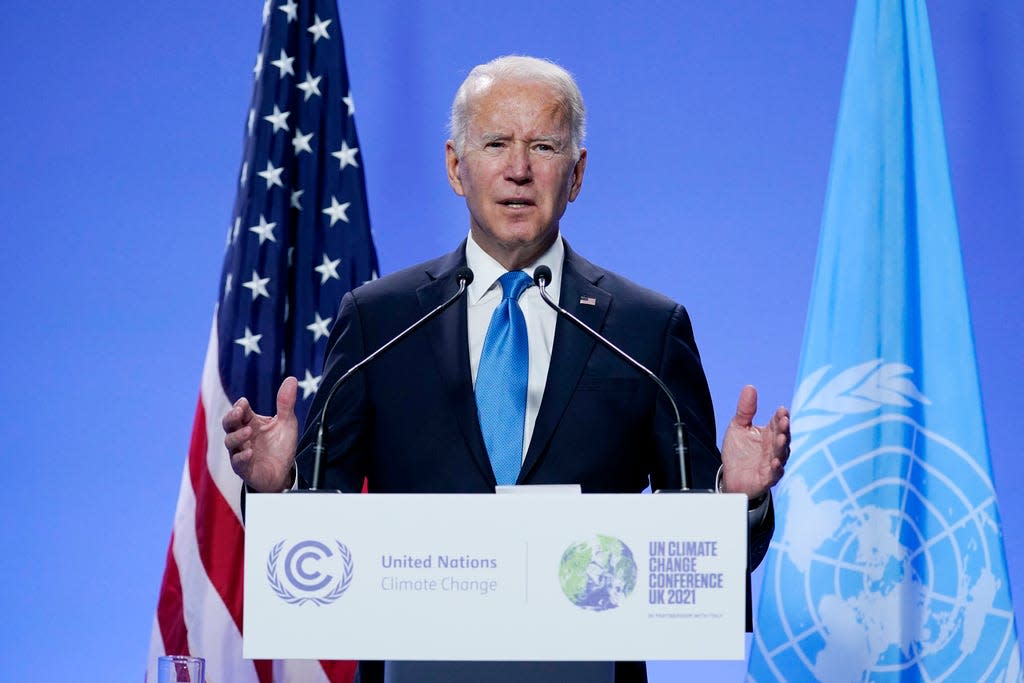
{"x":494,"y":144}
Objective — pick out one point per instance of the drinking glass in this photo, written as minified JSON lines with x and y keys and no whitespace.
{"x":181,"y":669}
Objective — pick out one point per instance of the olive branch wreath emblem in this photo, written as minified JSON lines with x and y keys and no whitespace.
{"x":282,"y":592}
{"x":859,"y":389}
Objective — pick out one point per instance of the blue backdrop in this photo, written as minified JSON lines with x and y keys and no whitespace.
{"x":711,"y":128}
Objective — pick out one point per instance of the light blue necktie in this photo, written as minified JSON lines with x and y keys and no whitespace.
{"x":501,"y":380}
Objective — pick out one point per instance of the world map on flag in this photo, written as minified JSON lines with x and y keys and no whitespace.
{"x":892,"y":557}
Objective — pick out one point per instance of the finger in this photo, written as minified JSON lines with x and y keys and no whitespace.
{"x":746,"y":407}
{"x":231,"y":421}
{"x":286,"y":396}
{"x":781,"y":419}
{"x":235,"y":440}
{"x":782,"y":449}
{"x":241,"y":463}
{"x":239,"y":415}
{"x":780,"y":425}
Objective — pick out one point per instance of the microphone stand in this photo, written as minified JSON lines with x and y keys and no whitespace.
{"x":541,"y":277}
{"x":465,"y":277}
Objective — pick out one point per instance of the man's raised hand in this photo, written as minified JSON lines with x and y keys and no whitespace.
{"x":754,"y":458}
{"x":262,"y":448}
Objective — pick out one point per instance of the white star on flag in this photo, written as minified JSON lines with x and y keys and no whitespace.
{"x":310,"y":86}
{"x":310,"y":384}
{"x":265,"y":230}
{"x":278,"y":119}
{"x":296,"y":195}
{"x":251,"y":342}
{"x":258,"y":286}
{"x":289,"y":9}
{"x":337,"y":211}
{"x":227,"y":284}
{"x":258,"y":69}
{"x":346,"y":156}
{"x":245,"y":173}
{"x":319,"y":28}
{"x":301,"y":142}
{"x":328,"y":269}
{"x":350,"y":103}
{"x":284,"y":64}
{"x":319,"y":326}
{"x":272,"y":175}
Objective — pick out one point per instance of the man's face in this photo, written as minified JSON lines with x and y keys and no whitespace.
{"x":517,"y":170}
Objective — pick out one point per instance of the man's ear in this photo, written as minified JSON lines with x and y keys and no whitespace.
{"x":451,"y":162}
{"x":577,"y":175}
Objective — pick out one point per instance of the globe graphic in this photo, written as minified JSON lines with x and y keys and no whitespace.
{"x":597,"y":573}
{"x":883,"y":566}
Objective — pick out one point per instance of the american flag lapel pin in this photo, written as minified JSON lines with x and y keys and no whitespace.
{"x":588,"y":301}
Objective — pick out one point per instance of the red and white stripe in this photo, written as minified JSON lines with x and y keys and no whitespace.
{"x":199,"y":611}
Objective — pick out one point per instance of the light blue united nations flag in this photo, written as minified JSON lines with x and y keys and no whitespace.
{"x":888,"y":561}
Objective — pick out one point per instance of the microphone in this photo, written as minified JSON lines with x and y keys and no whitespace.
{"x":541,"y":278}
{"x":464,"y":276}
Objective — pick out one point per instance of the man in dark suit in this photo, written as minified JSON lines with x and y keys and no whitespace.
{"x":600,"y":424}
{"x":420,"y":418}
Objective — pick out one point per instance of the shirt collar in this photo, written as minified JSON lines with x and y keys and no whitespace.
{"x":486,"y":270}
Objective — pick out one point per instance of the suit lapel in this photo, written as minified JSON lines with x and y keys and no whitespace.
{"x":448,"y":335}
{"x":572,"y":347}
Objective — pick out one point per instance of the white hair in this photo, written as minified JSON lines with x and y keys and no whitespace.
{"x":518,"y":68}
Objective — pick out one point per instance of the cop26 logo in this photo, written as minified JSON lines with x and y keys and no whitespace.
{"x":312,"y":571}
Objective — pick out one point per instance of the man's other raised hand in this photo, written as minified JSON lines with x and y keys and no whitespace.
{"x":262,"y":448}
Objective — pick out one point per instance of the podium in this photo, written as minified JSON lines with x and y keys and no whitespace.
{"x":485,"y":578}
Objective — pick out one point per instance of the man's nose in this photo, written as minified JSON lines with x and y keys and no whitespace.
{"x":518,"y":168}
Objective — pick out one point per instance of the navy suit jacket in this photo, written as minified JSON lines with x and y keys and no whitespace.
{"x":408,"y":421}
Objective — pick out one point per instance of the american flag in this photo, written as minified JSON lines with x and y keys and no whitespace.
{"x":298,"y":239}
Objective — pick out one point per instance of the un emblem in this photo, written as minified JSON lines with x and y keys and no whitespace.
{"x":312,"y":571}
{"x":889,"y":563}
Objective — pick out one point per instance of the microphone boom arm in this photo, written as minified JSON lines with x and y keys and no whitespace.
{"x":542,"y":276}
{"x":464,"y":276}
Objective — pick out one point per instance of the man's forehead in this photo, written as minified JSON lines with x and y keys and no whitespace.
{"x":506,"y":104}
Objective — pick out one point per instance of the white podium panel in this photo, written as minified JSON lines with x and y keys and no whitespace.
{"x":485,"y":577}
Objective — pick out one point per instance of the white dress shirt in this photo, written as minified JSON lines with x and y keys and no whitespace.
{"x":484,"y":295}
